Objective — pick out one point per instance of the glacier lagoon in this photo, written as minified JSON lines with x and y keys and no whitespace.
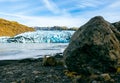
{"x":34,"y":44}
{"x":11,"y":51}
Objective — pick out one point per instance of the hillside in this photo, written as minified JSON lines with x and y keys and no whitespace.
{"x":11,"y":28}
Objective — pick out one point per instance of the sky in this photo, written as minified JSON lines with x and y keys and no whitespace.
{"x":70,"y":13}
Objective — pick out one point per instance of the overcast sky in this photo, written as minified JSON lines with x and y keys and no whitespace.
{"x":58,"y":12}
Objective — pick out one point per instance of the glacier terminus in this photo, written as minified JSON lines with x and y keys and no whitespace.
{"x":39,"y":37}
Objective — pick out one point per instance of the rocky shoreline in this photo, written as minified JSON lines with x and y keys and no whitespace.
{"x":31,"y":71}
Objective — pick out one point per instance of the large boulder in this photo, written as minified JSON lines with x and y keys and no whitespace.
{"x":117,"y":25}
{"x":94,"y":48}
{"x":116,"y":29}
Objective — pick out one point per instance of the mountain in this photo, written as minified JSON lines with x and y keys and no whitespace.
{"x":12,"y":28}
{"x":93,"y":48}
{"x":56,"y":28}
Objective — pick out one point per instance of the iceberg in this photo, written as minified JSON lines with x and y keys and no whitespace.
{"x":40,"y":37}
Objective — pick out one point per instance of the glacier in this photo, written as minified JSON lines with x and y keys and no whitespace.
{"x":39,"y":37}
{"x":4,"y":39}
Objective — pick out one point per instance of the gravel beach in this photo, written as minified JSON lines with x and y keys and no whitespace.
{"x":31,"y":71}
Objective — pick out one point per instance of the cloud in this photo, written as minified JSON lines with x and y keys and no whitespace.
{"x":110,"y":12}
{"x":45,"y":21}
{"x":59,"y":13}
{"x":88,"y":3}
{"x":51,"y":6}
{"x":52,"y":21}
{"x":115,"y":4}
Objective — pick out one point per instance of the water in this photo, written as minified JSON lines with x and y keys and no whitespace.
{"x":15,"y":51}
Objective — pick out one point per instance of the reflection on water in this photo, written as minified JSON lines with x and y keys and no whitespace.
{"x":10,"y":51}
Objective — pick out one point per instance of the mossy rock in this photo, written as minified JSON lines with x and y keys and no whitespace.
{"x":93,"y":48}
{"x":49,"y":61}
{"x":118,"y":70}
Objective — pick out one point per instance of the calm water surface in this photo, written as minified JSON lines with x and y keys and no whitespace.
{"x":13,"y":51}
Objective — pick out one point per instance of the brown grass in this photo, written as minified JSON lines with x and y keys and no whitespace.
{"x":12,"y":28}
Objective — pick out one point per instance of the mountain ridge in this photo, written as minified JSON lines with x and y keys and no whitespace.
{"x":12,"y":28}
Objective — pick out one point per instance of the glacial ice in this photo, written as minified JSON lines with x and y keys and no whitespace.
{"x":4,"y":39}
{"x":40,"y":37}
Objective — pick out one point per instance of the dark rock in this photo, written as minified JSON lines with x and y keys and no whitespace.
{"x":94,"y":81}
{"x":93,"y":48}
{"x":116,"y":29}
{"x":105,"y":76}
{"x":7,"y":62}
{"x":79,"y":80}
{"x":49,"y":61}
{"x":58,"y":55}
{"x":59,"y":58}
{"x":117,"y":25}
{"x":38,"y":79}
